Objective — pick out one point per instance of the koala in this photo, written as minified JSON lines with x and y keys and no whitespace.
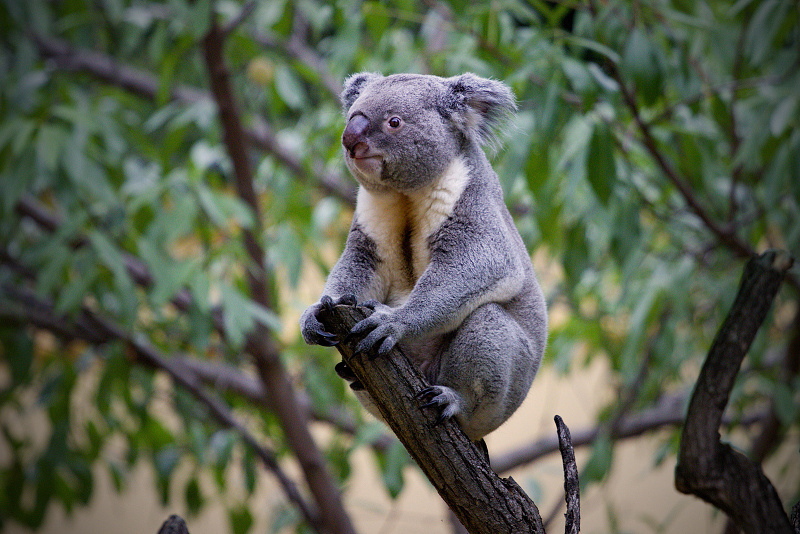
{"x":433,"y":250}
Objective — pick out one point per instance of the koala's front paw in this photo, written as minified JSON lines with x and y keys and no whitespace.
{"x":444,"y":398}
{"x":381,"y":327}
{"x":313,"y":330}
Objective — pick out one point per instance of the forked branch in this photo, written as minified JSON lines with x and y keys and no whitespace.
{"x":707,"y":468}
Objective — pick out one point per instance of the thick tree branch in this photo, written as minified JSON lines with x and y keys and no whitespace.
{"x":714,"y":471}
{"x":260,"y":343}
{"x":482,"y":501}
{"x":773,"y":430}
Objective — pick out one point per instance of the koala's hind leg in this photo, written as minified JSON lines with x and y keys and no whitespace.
{"x":485,"y":372}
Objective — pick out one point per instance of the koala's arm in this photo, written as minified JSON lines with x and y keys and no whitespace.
{"x":470,"y":265}
{"x":352,"y":279}
{"x":354,"y":272}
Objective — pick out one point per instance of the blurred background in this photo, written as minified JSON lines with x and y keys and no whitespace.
{"x":173,"y":195}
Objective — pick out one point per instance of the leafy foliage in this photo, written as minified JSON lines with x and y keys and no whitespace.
{"x":656,"y":147}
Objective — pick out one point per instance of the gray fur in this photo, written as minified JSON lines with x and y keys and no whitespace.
{"x":433,"y":249}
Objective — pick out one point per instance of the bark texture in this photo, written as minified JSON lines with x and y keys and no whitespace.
{"x":707,"y":468}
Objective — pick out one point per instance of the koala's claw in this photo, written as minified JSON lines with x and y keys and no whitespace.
{"x":326,"y":338}
{"x":349,"y":300}
{"x":313,"y":330}
{"x":382,"y":329}
{"x":328,"y":303}
{"x":444,"y":398}
{"x":344,"y":371}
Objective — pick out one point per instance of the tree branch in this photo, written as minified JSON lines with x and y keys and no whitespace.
{"x":668,"y":412}
{"x":455,"y":467}
{"x":260,"y":343}
{"x":714,"y":471}
{"x":225,"y":377}
{"x":571,"y":482}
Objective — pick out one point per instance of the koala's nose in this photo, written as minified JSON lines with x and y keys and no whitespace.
{"x":354,"y":133}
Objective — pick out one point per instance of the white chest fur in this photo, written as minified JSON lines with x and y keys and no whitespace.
{"x":401,"y":224}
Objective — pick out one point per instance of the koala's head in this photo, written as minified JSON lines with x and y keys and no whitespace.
{"x":404,"y":130}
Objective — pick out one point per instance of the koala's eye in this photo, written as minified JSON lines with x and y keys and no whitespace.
{"x":395,"y":122}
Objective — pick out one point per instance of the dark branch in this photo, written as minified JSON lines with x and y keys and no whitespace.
{"x":714,"y":471}
{"x":572,"y":485}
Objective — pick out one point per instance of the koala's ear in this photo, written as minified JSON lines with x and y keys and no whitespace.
{"x":478,"y":106}
{"x":353,"y":86}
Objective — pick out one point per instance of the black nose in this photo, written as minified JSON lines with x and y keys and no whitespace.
{"x":354,"y":132}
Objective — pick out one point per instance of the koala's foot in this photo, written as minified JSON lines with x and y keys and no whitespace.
{"x":382,"y":330}
{"x":344,"y":371}
{"x":444,"y":398}
{"x":312,"y":329}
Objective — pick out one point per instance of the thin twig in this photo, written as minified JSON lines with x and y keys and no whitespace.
{"x":572,"y":484}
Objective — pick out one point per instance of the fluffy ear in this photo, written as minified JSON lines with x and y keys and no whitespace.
{"x":353,"y":86}
{"x":478,"y":106}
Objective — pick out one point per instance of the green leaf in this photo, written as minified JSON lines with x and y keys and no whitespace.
{"x":165,"y":461}
{"x":194,"y":496}
{"x":376,"y":18}
{"x":240,"y":312}
{"x":600,"y":166}
{"x":289,"y":87}
{"x":600,"y":461}
{"x":19,"y":354}
{"x":392,"y":464}
{"x":763,"y":27}
{"x":241,"y":519}
{"x":784,"y":115}
{"x":641,"y":62}
{"x":114,"y":260}
{"x":118,"y":475}
{"x":236,"y":318}
{"x":786,"y":407}
{"x":49,"y":143}
{"x":250,"y":471}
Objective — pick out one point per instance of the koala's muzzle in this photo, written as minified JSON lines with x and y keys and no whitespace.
{"x":353,"y":136}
